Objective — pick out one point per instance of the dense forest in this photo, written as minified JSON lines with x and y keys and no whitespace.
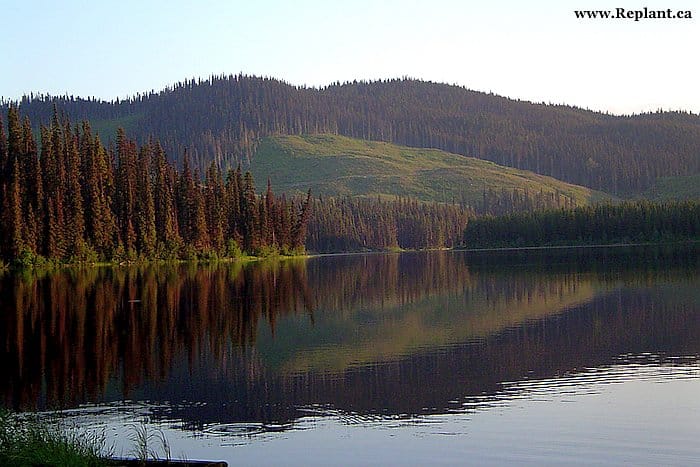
{"x":71,"y":199}
{"x":640,"y":221}
{"x":499,"y":203}
{"x":74,"y":200}
{"x":222,"y":119}
{"x":360,"y":224}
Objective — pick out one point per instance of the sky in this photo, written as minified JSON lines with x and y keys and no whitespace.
{"x":533,"y":50}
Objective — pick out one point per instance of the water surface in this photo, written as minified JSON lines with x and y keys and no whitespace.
{"x":536,"y":357}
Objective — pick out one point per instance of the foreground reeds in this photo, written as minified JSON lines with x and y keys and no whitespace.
{"x":26,"y":441}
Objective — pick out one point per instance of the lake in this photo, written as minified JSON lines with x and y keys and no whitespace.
{"x":567,"y":356}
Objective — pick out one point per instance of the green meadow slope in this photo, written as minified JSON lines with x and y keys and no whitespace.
{"x":332,"y":165}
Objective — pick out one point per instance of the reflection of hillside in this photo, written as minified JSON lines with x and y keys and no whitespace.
{"x":224,"y":333}
{"x":437,"y":321}
{"x":72,"y":335}
{"x":661,"y":320}
{"x":504,"y":290}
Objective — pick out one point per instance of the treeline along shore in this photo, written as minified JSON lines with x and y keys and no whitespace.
{"x":71,"y":199}
{"x":628,"y":222}
{"x":74,"y":200}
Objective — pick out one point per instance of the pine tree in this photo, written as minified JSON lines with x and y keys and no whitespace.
{"x":3,"y":184}
{"x":13,"y":218}
{"x":299,"y":230}
{"x":75,"y":216}
{"x":267,"y":221}
{"x":198,"y":216}
{"x":233,"y":203}
{"x":164,"y":202}
{"x":34,"y":191}
{"x":145,"y":205}
{"x":101,"y":227}
{"x":283,"y":225}
{"x":54,"y":175}
{"x":125,"y":190}
{"x":249,"y":215}
{"x":79,"y":199}
{"x":216,"y":202}
{"x":3,"y":156}
{"x":184,"y":201}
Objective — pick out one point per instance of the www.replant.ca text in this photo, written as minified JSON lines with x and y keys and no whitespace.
{"x":636,"y":15}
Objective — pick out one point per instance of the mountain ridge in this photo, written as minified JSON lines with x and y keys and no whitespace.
{"x":224,"y":118}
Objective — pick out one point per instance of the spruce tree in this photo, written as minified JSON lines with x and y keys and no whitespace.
{"x":145,"y":204}
{"x":249,"y":215}
{"x":75,"y":215}
{"x":164,"y":202}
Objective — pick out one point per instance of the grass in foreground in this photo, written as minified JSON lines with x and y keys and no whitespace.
{"x":25,"y":441}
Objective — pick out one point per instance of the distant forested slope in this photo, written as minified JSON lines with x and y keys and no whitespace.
{"x":338,"y":166}
{"x":224,"y":118}
{"x":638,"y":222}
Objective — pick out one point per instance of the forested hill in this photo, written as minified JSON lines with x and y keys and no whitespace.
{"x":223,"y":118}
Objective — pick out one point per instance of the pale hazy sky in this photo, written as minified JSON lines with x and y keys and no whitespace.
{"x":532,"y":50}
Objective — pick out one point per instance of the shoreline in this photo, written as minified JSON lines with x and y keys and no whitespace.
{"x":51,"y":266}
{"x":582,"y":246}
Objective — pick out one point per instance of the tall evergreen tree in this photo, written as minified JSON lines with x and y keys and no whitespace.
{"x":79,"y":201}
{"x":75,"y":216}
{"x":216,"y":202}
{"x":164,"y":202}
{"x":299,"y":230}
{"x":250,"y":215}
{"x":145,"y":204}
{"x":33,"y":191}
{"x":125,"y":191}
{"x":12,"y":212}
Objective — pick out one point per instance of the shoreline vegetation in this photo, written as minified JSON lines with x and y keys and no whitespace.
{"x":44,"y":264}
{"x":51,"y":266}
{"x":638,"y":222}
{"x":73,"y":200}
{"x":25,"y":440}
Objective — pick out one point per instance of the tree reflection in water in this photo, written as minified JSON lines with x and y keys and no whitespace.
{"x":379,"y":334}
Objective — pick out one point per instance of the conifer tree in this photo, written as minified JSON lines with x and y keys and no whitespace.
{"x":33,"y":191}
{"x":198,"y":216}
{"x":145,"y":204}
{"x":164,"y":201}
{"x":267,"y":221}
{"x":283,"y":224}
{"x":3,"y":178}
{"x":233,"y":203}
{"x":13,"y":220}
{"x":125,"y":190}
{"x":299,"y":230}
{"x":249,"y":214}
{"x":216,"y":202}
{"x":101,"y":228}
{"x":185,"y":202}
{"x":75,"y":216}
{"x":79,"y":200}
{"x":3,"y":154}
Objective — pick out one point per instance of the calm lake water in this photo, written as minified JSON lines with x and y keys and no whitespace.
{"x":581,"y":356}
